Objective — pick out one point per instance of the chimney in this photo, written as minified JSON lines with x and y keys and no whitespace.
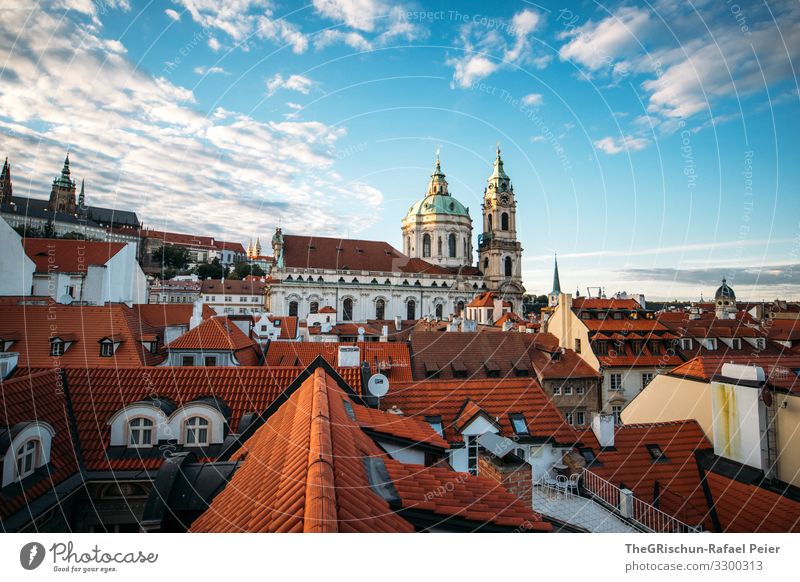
{"x":385,"y":333}
{"x":349,"y":357}
{"x":603,"y":428}
{"x":197,"y":314}
{"x":361,"y":334}
{"x":510,"y":472}
{"x":397,"y":323}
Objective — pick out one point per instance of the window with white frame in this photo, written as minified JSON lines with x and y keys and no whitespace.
{"x":580,"y":417}
{"x":736,"y":343}
{"x":580,"y":389}
{"x":686,"y":343}
{"x":56,"y":348}
{"x":615,"y":381}
{"x":567,"y":389}
{"x":557,"y":390}
{"x":140,"y":432}
{"x":647,"y":377}
{"x":27,"y":457}
{"x":106,"y":349}
{"x":616,"y":410}
{"x":472,"y":454}
{"x":568,"y":417}
{"x":196,"y":432}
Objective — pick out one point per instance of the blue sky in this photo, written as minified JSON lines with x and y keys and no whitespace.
{"x":654,"y":147}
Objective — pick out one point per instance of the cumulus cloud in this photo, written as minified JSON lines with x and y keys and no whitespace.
{"x":486,"y":49}
{"x":141,"y":143}
{"x":244,"y":20}
{"x":173,"y":14}
{"x":625,"y":143}
{"x":297,"y":83}
{"x":357,"y":14}
{"x":210,"y":71}
{"x":533,"y":99}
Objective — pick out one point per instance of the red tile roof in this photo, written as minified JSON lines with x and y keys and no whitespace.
{"x":497,"y":397}
{"x":233,"y":287}
{"x":219,"y":333}
{"x":288,"y":326}
{"x":98,"y":394}
{"x":745,"y":508}
{"x":38,"y":397}
{"x":391,"y":359}
{"x":69,"y":256}
{"x":564,"y":364}
{"x":303,"y":471}
{"x":306,"y":252}
{"x":483,"y":300}
{"x":630,"y":464}
{"x":87,"y":325}
{"x":783,"y":329}
{"x":604,"y":304}
{"x":781,"y":371}
{"x":192,"y":240}
{"x":161,"y":315}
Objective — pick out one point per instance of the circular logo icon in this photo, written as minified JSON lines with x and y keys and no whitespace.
{"x":31,"y":555}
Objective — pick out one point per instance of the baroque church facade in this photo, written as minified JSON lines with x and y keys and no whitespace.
{"x":435,"y":275}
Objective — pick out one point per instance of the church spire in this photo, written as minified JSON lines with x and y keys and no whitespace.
{"x":82,"y":196}
{"x":499,"y":172}
{"x":556,"y":280}
{"x":6,"y":190}
{"x":438,"y":185}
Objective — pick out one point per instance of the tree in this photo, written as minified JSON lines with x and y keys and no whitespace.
{"x":212,"y":270}
{"x":242,"y":270}
{"x":171,"y":256}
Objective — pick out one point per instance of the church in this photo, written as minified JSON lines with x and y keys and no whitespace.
{"x":435,"y":275}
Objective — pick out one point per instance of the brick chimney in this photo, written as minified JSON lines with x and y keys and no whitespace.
{"x":510,"y":472}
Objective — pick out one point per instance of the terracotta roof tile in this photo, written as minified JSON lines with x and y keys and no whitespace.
{"x":631,"y":464}
{"x":87,"y":325}
{"x":304,"y":470}
{"x":218,"y":333}
{"x":746,"y":508}
{"x":389,"y":358}
{"x":69,"y":256}
{"x":233,"y":287}
{"x":781,"y":371}
{"x":38,"y":396}
{"x":498,"y":397}
{"x":583,"y":303}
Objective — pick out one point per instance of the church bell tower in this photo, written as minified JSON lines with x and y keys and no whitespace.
{"x":498,"y":248}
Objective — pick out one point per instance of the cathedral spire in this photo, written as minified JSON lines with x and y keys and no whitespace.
{"x":499,"y":172}
{"x":82,"y":196}
{"x":65,"y":169}
{"x":6,"y":190}
{"x":556,"y":280}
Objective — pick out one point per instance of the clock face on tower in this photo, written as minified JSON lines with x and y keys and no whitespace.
{"x":504,"y":199}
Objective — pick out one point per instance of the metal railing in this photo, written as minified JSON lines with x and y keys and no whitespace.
{"x":631,"y":507}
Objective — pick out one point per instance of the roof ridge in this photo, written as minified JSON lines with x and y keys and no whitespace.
{"x":320,"y":506}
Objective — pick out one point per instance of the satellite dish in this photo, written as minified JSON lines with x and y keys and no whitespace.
{"x":65,"y":299}
{"x":378,"y":385}
{"x":361,"y":331}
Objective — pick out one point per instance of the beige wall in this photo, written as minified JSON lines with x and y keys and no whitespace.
{"x":667,"y":398}
{"x":788,"y":420}
{"x":566,"y":326}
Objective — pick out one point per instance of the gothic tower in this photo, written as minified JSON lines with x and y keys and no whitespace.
{"x":498,"y":248}
{"x":62,"y":195}
{"x":6,"y":189}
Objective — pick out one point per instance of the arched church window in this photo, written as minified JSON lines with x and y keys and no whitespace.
{"x":509,"y":266}
{"x":490,"y":223}
{"x":439,"y":247}
{"x":426,"y":245}
{"x":460,"y":307}
{"x":314,"y":307}
{"x":347,"y":310}
{"x":293,"y":308}
{"x":485,"y":263}
{"x":451,"y":244}
{"x":465,"y":247}
{"x":380,"y":309}
{"x":504,"y":221}
{"x":439,"y":311}
{"x":411,"y":309}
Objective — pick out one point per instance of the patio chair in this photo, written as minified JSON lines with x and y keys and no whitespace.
{"x":562,"y":485}
{"x":574,"y":483}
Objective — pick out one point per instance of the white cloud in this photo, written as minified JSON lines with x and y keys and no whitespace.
{"x":142,"y":144}
{"x":485,"y":51}
{"x":210,"y":71}
{"x":533,"y":99}
{"x":244,"y":20}
{"x":331,"y":37}
{"x":616,"y":145}
{"x":358,"y":14}
{"x":172,"y":14}
{"x":600,"y":44}
{"x":297,"y":83}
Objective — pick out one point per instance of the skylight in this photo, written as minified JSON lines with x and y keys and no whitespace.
{"x":436,"y":424}
{"x":656,"y":453}
{"x":518,"y":423}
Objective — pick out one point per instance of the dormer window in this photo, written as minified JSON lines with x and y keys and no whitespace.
{"x":56,"y":347}
{"x":140,"y":432}
{"x":106,"y":349}
{"x":436,"y":424}
{"x":736,"y":343}
{"x":196,"y":432}
{"x":27,"y":457}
